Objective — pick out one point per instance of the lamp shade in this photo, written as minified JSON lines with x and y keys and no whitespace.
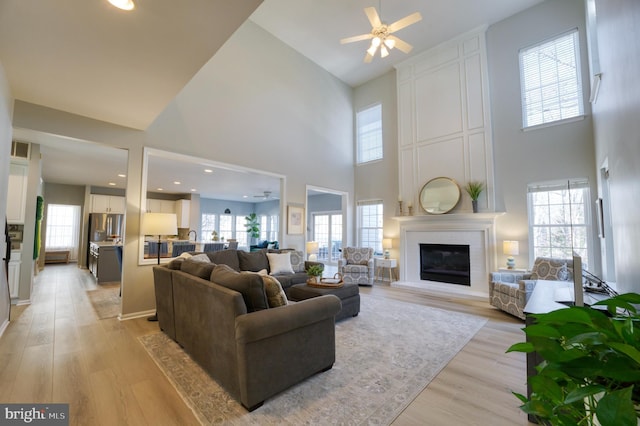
{"x":387,"y":243}
{"x":313,"y":247}
{"x":159,"y":224}
{"x":511,"y":248}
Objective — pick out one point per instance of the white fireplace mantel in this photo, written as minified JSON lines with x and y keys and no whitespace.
{"x":475,"y":229}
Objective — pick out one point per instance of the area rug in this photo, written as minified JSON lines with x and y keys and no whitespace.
{"x":385,"y":357}
{"x":105,"y":300}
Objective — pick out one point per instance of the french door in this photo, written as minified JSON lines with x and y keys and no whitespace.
{"x":327,"y":231}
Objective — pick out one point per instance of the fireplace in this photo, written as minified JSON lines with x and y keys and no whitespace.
{"x":447,"y":263}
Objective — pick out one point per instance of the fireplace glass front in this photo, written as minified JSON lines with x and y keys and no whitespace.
{"x":447,"y":263}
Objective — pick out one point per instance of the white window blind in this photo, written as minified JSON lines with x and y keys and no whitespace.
{"x":550,"y":81}
{"x":369,"y":137}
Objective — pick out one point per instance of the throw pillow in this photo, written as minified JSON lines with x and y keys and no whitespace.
{"x":176,"y":264}
{"x":197,"y":268}
{"x":275,"y":294}
{"x":250,"y":285}
{"x":297,"y":261}
{"x":200,"y":258}
{"x":185,"y":254}
{"x":279,"y":263}
{"x":253,"y":261}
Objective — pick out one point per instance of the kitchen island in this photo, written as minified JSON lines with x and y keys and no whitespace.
{"x":105,"y":261}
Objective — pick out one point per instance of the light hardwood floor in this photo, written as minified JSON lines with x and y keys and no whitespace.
{"x":57,"y":350}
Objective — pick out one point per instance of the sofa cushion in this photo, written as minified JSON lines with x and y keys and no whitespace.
{"x":253,"y":261}
{"x":279,"y":263}
{"x":202,"y":257}
{"x":197,"y":268}
{"x":248,"y":284}
{"x":225,"y":257}
{"x":546,"y":268}
{"x":357,"y":255}
{"x":176,"y":264}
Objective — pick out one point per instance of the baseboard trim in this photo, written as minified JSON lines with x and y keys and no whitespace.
{"x":4,"y":326}
{"x":135,"y":315}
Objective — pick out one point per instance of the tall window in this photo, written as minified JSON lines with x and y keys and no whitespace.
{"x":559,"y":219}
{"x":369,"y":136}
{"x":207,"y":226}
{"x":63,"y":224}
{"x":226,"y":226}
{"x":550,"y":81}
{"x":241,"y":232}
{"x":370,"y":225}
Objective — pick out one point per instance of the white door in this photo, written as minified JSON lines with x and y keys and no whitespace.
{"x":327,"y":231}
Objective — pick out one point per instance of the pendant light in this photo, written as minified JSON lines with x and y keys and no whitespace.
{"x":123,"y":4}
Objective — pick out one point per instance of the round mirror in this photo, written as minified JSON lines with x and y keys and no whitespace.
{"x":440,"y":195}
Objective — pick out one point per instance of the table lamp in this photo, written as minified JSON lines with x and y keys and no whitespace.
{"x":312,"y":250}
{"x":387,"y":243}
{"x":511,"y":248}
{"x":159,"y":224}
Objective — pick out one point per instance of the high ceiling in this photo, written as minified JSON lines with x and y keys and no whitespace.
{"x":87,"y":58}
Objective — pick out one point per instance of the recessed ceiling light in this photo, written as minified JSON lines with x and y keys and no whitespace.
{"x":112,"y":184}
{"x":175,"y":182}
{"x":193,"y":190}
{"x":122,"y":175}
{"x":160,"y":189}
{"x":123,"y":4}
{"x":245,"y":196}
{"x":208,"y":171}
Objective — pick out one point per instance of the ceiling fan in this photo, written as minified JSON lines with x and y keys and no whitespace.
{"x":266,"y":195}
{"x":381,"y":34}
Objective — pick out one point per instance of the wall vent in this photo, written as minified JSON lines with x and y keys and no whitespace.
{"x":20,"y":149}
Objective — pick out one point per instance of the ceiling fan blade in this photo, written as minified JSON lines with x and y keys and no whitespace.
{"x":368,"y":58}
{"x":401,"y":45}
{"x":372,"y":14}
{"x":356,"y":38}
{"x":405,"y":22}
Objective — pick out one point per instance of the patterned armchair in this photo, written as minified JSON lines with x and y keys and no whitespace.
{"x":510,"y":291}
{"x":356,"y":265}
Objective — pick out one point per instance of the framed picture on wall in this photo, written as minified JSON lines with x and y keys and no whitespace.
{"x":295,"y":220}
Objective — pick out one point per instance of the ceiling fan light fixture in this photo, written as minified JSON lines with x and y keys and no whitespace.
{"x":389,"y":43}
{"x":123,"y":4}
{"x":372,"y":50}
{"x":376,"y":41}
{"x":383,"y":52}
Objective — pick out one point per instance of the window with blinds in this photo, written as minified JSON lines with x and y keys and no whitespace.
{"x":559,"y":219}
{"x":369,"y":134}
{"x":550,"y":81}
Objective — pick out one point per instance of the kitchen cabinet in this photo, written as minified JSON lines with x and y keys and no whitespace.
{"x":14,"y":273}
{"x":104,"y":262}
{"x":17,"y":192}
{"x":107,"y":204}
{"x":182,"y":213}
{"x":160,"y":206}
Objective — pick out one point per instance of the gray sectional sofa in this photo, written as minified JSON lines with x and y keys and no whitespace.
{"x":222,"y":319}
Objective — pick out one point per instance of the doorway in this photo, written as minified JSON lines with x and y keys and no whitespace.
{"x":327,"y":222}
{"x":62,"y":230}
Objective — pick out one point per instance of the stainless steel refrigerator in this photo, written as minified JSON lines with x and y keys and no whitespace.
{"x":105,"y":227}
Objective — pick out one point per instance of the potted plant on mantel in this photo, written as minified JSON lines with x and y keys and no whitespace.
{"x":591,"y":369}
{"x":474,"y":189}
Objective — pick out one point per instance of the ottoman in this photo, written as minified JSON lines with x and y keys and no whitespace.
{"x":349,"y":295}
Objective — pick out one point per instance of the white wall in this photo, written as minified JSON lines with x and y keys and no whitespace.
{"x":379,"y":179}
{"x":6,"y":110}
{"x":617,"y":129}
{"x":551,"y":153}
{"x":257,"y":104}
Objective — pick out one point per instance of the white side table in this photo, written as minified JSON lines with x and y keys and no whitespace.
{"x":382,"y":264}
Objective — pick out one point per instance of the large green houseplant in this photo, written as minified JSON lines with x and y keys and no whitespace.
{"x":253,"y":225}
{"x":591,"y":369}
